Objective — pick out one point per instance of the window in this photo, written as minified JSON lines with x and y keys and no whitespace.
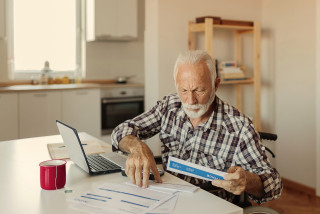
{"x":44,"y":30}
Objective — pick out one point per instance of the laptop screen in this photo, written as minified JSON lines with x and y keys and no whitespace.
{"x":73,"y":144}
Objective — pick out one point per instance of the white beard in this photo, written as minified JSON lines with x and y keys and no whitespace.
{"x":203,"y":108}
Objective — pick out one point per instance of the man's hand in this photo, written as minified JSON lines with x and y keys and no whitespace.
{"x":235,"y":181}
{"x":140,"y":161}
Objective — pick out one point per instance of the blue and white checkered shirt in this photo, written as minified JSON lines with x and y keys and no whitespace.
{"x":227,"y":139}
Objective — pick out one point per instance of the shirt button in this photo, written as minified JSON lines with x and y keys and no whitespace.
{"x":186,"y":155}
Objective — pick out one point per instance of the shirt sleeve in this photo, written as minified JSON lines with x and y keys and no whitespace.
{"x":252,"y":157}
{"x":143,"y":126}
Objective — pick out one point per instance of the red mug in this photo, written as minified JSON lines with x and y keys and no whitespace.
{"x":52,"y":174}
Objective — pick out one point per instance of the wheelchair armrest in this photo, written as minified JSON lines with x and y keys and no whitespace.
{"x":268,"y":136}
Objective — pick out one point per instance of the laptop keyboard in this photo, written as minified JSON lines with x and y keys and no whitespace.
{"x":98,"y":163}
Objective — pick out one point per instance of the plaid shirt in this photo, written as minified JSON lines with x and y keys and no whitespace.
{"x":226,"y":139}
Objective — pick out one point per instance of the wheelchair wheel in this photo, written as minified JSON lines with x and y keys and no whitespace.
{"x":259,"y":210}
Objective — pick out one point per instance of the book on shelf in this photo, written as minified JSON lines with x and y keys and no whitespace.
{"x":231,"y":70}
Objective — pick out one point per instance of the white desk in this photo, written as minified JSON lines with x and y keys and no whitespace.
{"x":20,"y":190}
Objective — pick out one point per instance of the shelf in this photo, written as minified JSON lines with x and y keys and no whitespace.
{"x":200,"y":27}
{"x":208,"y":28}
{"x":237,"y":82}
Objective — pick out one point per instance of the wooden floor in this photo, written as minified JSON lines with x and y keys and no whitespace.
{"x":293,"y":201}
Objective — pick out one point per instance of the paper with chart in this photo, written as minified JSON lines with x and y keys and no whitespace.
{"x":168,"y":187}
{"x":167,"y":207}
{"x":122,"y":198}
{"x":193,"y":170}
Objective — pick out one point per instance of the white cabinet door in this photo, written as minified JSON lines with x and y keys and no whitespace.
{"x":8,"y":116}
{"x":112,"y":19}
{"x":38,"y":112}
{"x":127,"y":16}
{"x":105,"y":18}
{"x":81,"y":110}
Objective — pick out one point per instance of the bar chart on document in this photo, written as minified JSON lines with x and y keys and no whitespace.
{"x":121,"y":198}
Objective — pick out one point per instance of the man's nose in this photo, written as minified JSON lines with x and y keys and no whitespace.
{"x":191,"y":99}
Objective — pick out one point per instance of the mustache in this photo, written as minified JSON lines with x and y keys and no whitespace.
{"x":195,"y":106}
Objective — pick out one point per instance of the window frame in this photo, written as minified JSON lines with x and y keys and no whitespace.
{"x":80,"y":46}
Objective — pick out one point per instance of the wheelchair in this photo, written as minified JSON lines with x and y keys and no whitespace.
{"x":243,"y":200}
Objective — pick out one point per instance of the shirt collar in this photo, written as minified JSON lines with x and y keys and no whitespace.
{"x":215,"y":120}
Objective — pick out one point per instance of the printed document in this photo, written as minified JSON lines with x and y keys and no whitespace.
{"x":167,"y":207}
{"x":169,"y":188}
{"x":122,"y":198}
{"x":194,"y":170}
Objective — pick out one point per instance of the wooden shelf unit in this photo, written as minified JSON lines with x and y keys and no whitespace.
{"x":208,"y":29}
{"x":238,"y":82}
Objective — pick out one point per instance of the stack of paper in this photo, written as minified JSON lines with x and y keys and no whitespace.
{"x":59,"y":150}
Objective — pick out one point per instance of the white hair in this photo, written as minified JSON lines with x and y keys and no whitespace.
{"x":193,"y":58}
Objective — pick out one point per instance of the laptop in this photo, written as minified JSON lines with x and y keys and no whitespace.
{"x":93,"y":164}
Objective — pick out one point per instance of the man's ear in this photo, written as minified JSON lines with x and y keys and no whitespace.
{"x":217,"y":83}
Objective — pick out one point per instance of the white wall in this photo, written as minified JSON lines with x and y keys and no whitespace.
{"x":3,"y":44}
{"x":318,"y":97}
{"x":3,"y":60}
{"x":151,"y":53}
{"x":291,"y":29}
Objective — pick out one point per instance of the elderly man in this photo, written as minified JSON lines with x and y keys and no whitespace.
{"x":196,"y":126}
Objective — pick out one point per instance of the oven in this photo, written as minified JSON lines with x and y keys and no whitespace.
{"x":119,"y":105}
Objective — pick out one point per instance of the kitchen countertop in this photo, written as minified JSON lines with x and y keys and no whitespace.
{"x":54,"y":87}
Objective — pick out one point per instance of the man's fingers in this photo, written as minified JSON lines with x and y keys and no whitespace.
{"x":235,"y":173}
{"x":138,"y":175}
{"x":146,"y":175}
{"x":130,"y":171}
{"x":233,"y":169}
{"x":232,"y":176}
{"x":156,"y":173}
{"x":223,"y":184}
{"x":227,"y":185}
{"x":127,"y":169}
{"x":218,"y":183}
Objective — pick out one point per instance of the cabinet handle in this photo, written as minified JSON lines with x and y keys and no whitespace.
{"x":81,"y":92}
{"x":40,"y":95}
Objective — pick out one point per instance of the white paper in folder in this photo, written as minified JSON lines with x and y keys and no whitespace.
{"x":194,"y":170}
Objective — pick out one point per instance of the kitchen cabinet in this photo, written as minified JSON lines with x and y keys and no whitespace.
{"x":38,"y":112}
{"x":111,"y":20}
{"x":8,"y":116}
{"x":81,"y":110}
